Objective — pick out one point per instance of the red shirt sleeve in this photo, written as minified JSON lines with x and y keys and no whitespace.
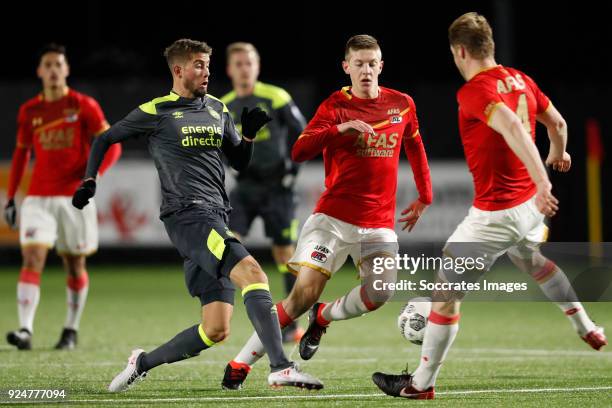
{"x":479,"y":100}
{"x":110,"y":158}
{"x":316,"y":134}
{"x":21,"y":155}
{"x":542,"y":101}
{"x":25,"y":133}
{"x":415,"y":151}
{"x":93,"y":117}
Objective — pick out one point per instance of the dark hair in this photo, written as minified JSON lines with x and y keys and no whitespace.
{"x":52,"y":47}
{"x":181,"y":50}
{"x":360,"y":42}
{"x":473,"y":31}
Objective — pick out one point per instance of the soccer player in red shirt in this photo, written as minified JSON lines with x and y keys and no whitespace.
{"x":59,"y":124}
{"x":360,"y":130}
{"x":498,"y":110}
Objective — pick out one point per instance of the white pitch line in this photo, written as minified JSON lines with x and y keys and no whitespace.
{"x":310,"y":397}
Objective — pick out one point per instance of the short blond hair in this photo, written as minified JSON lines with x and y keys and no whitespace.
{"x":241,"y":47}
{"x":473,"y":31}
{"x":360,"y":42}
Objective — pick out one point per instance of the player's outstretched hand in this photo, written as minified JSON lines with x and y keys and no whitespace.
{"x":412,"y":214}
{"x":10,"y":214}
{"x":357,"y":125}
{"x":559,"y":162}
{"x":253,"y":120}
{"x":81,"y":196}
{"x":546,"y":203}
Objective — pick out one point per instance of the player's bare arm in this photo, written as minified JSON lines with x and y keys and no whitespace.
{"x":558,"y":158}
{"x":508,"y":124}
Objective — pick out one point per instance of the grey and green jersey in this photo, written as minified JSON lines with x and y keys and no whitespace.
{"x":186,"y":138}
{"x":272,"y":151}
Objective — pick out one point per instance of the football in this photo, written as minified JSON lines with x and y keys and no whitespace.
{"x":413,"y":319}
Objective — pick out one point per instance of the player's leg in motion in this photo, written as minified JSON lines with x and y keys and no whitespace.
{"x":77,"y":287}
{"x":189,"y":343}
{"x":28,"y":294}
{"x":264,"y":316}
{"x":555,"y":285}
{"x":253,"y":282}
{"x":215,"y":327}
{"x":362,"y":299}
{"x":281,"y":255}
{"x":442,"y":328}
{"x":278,"y":214}
{"x":308,"y":287}
{"x":443,"y":322}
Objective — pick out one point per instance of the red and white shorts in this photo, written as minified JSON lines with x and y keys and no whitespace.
{"x":53,"y":221}
{"x":325,"y":242}
{"x":519,"y":230}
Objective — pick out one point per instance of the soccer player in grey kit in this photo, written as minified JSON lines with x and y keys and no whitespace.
{"x":187,"y":130}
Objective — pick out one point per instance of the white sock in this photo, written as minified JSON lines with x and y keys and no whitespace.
{"x":28,"y":295}
{"x":76,"y":296}
{"x":555,"y":285}
{"x":578,"y":317}
{"x":252,"y":351}
{"x":439,"y":337}
{"x":353,"y":304}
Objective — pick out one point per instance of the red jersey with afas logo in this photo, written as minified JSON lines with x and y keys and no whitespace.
{"x":61,"y":133}
{"x":501,"y":180}
{"x":361,"y":169}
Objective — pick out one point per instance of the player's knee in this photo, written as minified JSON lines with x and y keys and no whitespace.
{"x":33,"y":260}
{"x":248,"y":272}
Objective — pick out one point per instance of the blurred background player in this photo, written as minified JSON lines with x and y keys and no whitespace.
{"x":59,"y":124}
{"x":266,"y":189}
{"x":360,"y":130}
{"x":498,"y":110}
{"x":187,"y":131}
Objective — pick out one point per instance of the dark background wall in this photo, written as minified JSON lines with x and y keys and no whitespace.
{"x":115,"y":48}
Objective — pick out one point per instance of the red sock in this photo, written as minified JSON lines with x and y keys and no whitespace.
{"x":29,"y":276}
{"x":77,"y":283}
{"x":320,"y":319}
{"x":441,"y":319}
{"x":284,"y":319}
